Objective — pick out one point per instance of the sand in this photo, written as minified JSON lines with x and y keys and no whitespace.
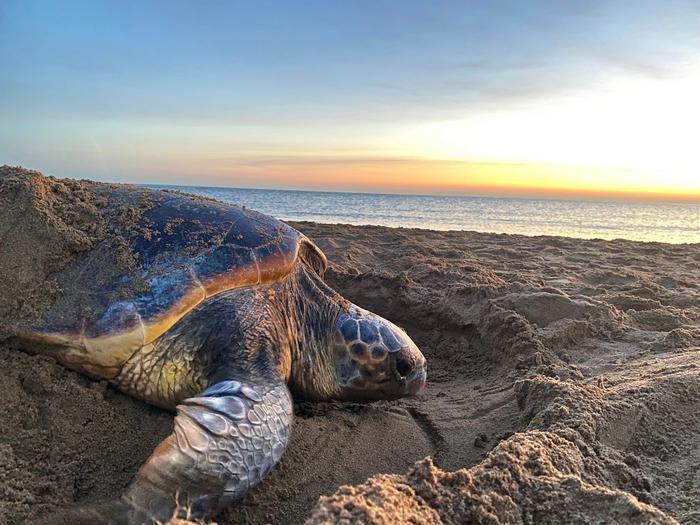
{"x":563,"y":385}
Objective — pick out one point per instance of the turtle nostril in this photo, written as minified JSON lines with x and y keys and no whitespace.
{"x":403,"y":366}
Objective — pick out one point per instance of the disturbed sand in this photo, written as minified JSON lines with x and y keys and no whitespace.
{"x":564,"y":386}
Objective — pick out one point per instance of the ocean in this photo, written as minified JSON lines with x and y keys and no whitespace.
{"x":641,"y":221}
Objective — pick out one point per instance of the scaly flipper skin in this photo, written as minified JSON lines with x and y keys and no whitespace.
{"x":225,"y":441}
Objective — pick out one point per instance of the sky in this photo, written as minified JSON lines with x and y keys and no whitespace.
{"x":483,"y":97}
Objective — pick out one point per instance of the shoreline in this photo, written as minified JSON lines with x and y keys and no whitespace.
{"x":489,"y":233}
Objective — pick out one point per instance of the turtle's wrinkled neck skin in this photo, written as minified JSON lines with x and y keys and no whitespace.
{"x":313,"y":313}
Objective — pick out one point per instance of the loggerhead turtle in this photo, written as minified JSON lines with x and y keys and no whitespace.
{"x":222,"y":312}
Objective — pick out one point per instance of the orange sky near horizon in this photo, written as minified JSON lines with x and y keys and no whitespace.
{"x":395,"y":175}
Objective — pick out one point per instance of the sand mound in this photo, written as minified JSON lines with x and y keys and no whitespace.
{"x":563,"y":381}
{"x":530,"y":478}
{"x":61,"y":216}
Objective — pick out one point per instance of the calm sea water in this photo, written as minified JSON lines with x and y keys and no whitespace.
{"x":675,"y":223}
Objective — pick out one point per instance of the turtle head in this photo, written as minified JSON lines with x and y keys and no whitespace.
{"x":375,"y":359}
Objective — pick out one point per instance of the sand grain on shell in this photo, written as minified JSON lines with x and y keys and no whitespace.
{"x":564,"y":384}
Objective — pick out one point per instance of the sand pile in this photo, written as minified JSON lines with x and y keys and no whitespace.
{"x":564,"y":382}
{"x":43,"y":223}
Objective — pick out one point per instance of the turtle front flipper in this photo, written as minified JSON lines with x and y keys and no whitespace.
{"x":225,"y":441}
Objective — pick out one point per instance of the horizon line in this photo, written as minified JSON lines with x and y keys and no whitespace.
{"x":495,"y":192}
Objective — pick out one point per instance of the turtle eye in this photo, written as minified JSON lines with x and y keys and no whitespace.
{"x":403,"y":366}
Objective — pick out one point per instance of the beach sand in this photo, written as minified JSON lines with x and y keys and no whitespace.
{"x":563,"y":386}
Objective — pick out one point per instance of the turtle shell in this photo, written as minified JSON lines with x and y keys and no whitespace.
{"x":162,"y":254}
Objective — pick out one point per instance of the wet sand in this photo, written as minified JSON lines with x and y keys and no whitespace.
{"x":564,"y":385}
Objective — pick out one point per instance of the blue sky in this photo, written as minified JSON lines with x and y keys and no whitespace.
{"x":202,"y":91}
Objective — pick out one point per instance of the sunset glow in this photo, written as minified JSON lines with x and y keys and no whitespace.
{"x":473,"y":100}
{"x":634,"y":135}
